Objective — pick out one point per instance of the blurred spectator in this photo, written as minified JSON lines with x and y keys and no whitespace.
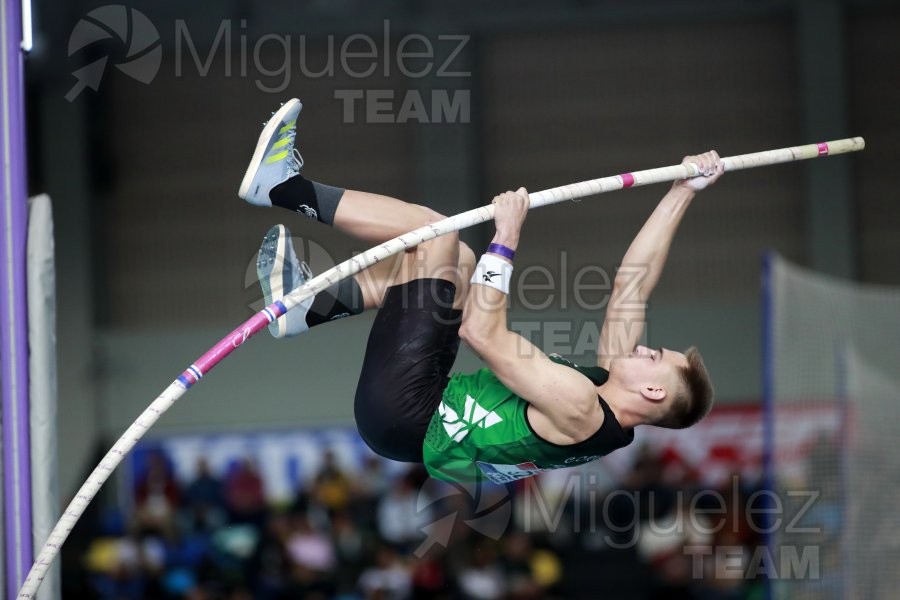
{"x":667,"y":544}
{"x":245,"y":495}
{"x":430,"y":576}
{"x":312,"y":561}
{"x":157,"y":495}
{"x":656,"y":494}
{"x":372,"y":481}
{"x":114,"y":566}
{"x":546,"y":573}
{"x":308,"y":548}
{"x":516,"y":555}
{"x":529,"y":573}
{"x":235,"y":548}
{"x":387,"y":579}
{"x":371,"y":484}
{"x":402,"y":514}
{"x":482,"y":578}
{"x":350,"y":547}
{"x":204,"y":498}
{"x":331,"y":488}
{"x":723,"y":573}
{"x":732,"y":534}
{"x":272,"y":560}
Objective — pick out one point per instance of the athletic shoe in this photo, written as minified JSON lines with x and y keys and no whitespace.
{"x":279,"y":274}
{"x":275,"y":159}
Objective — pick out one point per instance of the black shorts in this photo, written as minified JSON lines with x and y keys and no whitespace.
{"x":411,"y":349}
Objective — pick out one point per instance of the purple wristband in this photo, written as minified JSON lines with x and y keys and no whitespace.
{"x":502,"y":251}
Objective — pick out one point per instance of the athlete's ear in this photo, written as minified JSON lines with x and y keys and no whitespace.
{"x":653,"y":394}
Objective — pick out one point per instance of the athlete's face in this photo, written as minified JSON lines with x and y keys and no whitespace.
{"x":651,"y":371}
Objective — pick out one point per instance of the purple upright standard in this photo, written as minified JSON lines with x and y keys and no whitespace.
{"x":13,"y":320}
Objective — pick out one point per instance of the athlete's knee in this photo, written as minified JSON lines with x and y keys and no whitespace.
{"x":429,"y":216}
{"x":445,"y":244}
{"x":383,"y":425}
{"x":370,"y":408}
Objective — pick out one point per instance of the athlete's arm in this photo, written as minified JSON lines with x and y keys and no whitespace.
{"x":643,"y":263}
{"x":566,"y":398}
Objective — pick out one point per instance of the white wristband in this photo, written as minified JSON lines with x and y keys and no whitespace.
{"x":493,"y":271}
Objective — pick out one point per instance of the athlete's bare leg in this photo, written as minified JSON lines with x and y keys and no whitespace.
{"x":444,"y":258}
{"x":376,"y":218}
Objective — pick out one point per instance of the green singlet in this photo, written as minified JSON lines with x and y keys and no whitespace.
{"x":480,"y":432}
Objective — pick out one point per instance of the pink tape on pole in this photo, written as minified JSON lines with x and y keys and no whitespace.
{"x":230,"y":343}
{"x":627,"y":180}
{"x":823,"y":148}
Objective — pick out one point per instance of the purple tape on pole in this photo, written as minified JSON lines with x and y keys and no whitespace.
{"x":13,"y":320}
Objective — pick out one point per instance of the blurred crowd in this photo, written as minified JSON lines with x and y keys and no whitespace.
{"x":367,"y":535}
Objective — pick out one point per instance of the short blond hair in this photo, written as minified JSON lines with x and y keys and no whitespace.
{"x":694,"y":396}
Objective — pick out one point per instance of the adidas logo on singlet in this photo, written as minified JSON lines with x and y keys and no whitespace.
{"x":475,"y":416}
